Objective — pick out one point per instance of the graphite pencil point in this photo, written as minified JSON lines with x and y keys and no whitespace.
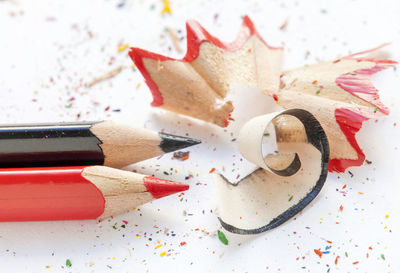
{"x":170,"y":143}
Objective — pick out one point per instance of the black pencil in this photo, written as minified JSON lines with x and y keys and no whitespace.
{"x":72,"y":144}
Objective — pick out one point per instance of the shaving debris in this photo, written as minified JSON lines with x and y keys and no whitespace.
{"x":174,"y":39}
{"x":108,"y":75}
{"x":167,"y":7}
{"x":182,"y":156}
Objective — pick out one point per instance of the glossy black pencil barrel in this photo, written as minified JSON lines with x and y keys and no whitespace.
{"x":49,"y":145}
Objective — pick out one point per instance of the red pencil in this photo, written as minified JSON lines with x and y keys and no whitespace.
{"x":71,"y":193}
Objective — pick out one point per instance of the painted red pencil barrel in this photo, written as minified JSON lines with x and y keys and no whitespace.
{"x":40,"y":194}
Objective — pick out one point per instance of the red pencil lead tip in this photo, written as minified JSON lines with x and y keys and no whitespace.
{"x":161,"y":187}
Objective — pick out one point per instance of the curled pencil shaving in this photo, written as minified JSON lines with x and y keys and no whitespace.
{"x":293,"y":169}
{"x":339,"y":93}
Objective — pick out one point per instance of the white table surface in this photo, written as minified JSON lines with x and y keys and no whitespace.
{"x":50,"y":49}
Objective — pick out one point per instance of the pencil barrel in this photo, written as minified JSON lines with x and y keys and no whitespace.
{"x":44,"y":194}
{"x":63,"y":144}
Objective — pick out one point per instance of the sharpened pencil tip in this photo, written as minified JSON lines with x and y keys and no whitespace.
{"x":160,"y":187}
{"x":170,"y":143}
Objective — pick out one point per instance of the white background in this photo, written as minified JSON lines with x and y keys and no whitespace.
{"x":50,"y":49}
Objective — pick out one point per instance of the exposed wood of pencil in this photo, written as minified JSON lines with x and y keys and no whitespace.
{"x":124,"y":144}
{"x":122,"y":190}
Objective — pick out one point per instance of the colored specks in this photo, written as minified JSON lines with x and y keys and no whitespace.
{"x":284,"y":24}
{"x":318,"y":252}
{"x":360,"y":192}
{"x":182,"y":156}
{"x":116,"y":245}
{"x":189,"y":176}
{"x":158,"y":246}
{"x":123,"y":47}
{"x":375,"y":109}
{"x":356,"y":262}
{"x":276,"y":99}
{"x":222,"y":237}
{"x":166,"y":8}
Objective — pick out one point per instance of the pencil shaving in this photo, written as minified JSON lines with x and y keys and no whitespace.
{"x":341,"y":96}
{"x":175,"y":40}
{"x":338,"y":93}
{"x":106,"y":76}
{"x":279,"y":189}
{"x":198,"y":84}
